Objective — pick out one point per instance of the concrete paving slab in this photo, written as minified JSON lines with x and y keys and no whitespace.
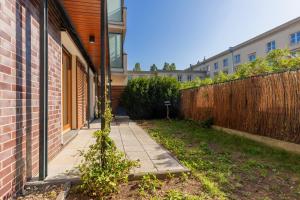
{"x":129,"y":138}
{"x":153,"y":158}
{"x":141,"y":155}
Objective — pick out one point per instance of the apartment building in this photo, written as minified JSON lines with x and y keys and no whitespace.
{"x":117,"y":14}
{"x":284,"y":36}
{"x":52,"y":57}
{"x":180,"y":75}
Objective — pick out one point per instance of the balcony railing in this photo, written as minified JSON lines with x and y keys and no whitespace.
{"x":116,"y":11}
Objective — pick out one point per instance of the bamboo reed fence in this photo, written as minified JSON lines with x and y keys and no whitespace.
{"x":267,"y":105}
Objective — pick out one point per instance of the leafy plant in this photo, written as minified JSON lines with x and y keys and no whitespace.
{"x":149,"y":184}
{"x":177,"y":195}
{"x":144,"y":98}
{"x":220,"y":77}
{"x":103,"y":166}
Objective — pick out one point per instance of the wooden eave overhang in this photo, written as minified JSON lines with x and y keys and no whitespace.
{"x":86,"y":18}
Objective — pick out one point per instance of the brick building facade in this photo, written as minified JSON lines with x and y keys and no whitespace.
{"x":20,"y":88}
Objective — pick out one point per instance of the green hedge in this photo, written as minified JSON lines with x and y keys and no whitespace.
{"x":144,"y":98}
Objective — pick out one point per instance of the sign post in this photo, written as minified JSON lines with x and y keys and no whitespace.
{"x":167,"y":104}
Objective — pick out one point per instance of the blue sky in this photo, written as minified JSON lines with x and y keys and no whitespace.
{"x":184,"y":31}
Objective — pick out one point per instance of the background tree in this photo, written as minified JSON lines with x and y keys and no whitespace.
{"x":169,"y":67}
{"x":166,"y":67}
{"x":137,"y":67}
{"x":153,"y":68}
{"x":172,"y":67}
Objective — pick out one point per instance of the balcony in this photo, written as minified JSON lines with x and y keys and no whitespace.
{"x":117,"y":15}
{"x":123,"y":68}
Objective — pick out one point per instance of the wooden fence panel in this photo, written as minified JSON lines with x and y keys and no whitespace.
{"x":264,"y":105}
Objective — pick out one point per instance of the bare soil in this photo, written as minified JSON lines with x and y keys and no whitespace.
{"x":49,"y":192}
{"x":130,"y":190}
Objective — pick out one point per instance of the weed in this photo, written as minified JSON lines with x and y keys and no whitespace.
{"x":170,"y":176}
{"x":184,"y":176}
{"x":149,"y":184}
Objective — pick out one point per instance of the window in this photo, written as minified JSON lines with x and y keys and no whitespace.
{"x":295,"y":38}
{"x":225,"y":62}
{"x":252,"y":57}
{"x":116,"y":50}
{"x":216,"y":66}
{"x":271,"y":46}
{"x":189,"y":77}
{"x":114,"y":9}
{"x":237,"y":59}
{"x":179,"y":78}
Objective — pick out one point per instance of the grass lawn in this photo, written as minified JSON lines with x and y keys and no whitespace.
{"x":222,"y":166}
{"x":226,"y":166}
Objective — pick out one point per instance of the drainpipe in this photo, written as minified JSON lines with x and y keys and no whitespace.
{"x":108,"y":65}
{"x":231,"y":49}
{"x":103,"y":59}
{"x":43,"y":115}
{"x":88,"y":103}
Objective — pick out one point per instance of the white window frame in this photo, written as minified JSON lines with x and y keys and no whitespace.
{"x":227,"y":62}
{"x":235,"y":58}
{"x":250,"y":55}
{"x":216,"y":66}
{"x":271,"y":46}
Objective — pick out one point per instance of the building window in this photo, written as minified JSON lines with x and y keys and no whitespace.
{"x":225,"y":62}
{"x":271,"y":46}
{"x":216,"y":66}
{"x":295,"y":38}
{"x":225,"y":71}
{"x":189,"y":77}
{"x":116,"y":50}
{"x":114,"y":9}
{"x":179,"y":78}
{"x":237,"y":59}
{"x":252,"y":57}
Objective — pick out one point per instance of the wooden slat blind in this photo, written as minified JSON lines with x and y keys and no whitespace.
{"x":81,"y":95}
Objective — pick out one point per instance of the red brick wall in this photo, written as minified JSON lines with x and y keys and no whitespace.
{"x":19,"y":93}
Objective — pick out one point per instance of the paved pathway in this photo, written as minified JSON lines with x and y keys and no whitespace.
{"x":129,"y":138}
{"x":138,"y":145}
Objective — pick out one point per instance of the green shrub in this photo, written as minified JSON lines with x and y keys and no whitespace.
{"x":103,"y":166}
{"x":220,"y":77}
{"x":144,"y":98}
{"x":259,"y":66}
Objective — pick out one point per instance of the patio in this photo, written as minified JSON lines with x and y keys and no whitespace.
{"x":129,"y":138}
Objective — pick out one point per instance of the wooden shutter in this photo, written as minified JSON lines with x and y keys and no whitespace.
{"x":81,"y":95}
